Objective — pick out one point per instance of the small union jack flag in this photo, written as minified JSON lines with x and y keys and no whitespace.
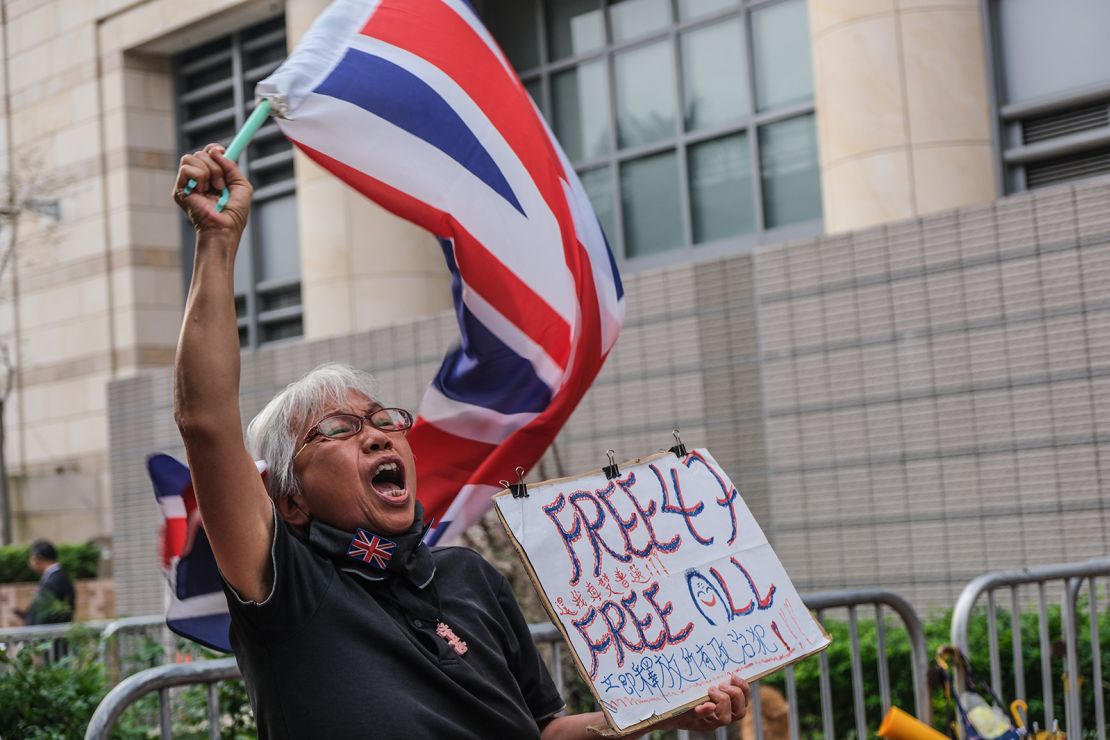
{"x":370,"y":548}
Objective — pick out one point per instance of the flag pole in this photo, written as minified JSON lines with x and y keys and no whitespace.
{"x":238,"y":144}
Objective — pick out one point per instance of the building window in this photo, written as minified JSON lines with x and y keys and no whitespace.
{"x":690,"y":122}
{"x":1052,"y":78}
{"x":215,"y":94}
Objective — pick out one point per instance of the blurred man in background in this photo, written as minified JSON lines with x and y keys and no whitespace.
{"x":55,"y":598}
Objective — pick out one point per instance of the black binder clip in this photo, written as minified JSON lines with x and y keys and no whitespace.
{"x":520,"y":488}
{"x":611,"y":470}
{"x":679,"y":449}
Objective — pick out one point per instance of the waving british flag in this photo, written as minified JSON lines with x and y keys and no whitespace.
{"x":195,"y":603}
{"x":412,"y":103}
{"x":370,"y":548}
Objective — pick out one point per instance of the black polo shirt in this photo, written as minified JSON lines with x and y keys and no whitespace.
{"x":327,"y":655}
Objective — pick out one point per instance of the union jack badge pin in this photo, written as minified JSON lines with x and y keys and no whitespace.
{"x":370,"y":548}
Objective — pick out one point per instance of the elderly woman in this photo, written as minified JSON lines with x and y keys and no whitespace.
{"x":343,"y":623}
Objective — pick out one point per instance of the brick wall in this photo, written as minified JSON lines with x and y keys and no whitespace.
{"x":906,"y":406}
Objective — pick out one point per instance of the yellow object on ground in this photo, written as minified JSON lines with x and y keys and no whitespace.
{"x":899,"y":725}
{"x":988,"y":721}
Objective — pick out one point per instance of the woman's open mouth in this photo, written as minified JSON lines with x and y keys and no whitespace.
{"x":388,"y":481}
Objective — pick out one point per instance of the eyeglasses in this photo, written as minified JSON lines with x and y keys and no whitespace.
{"x":344,"y":425}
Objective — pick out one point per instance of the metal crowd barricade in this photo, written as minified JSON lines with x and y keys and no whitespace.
{"x":210,"y":672}
{"x":118,"y":642}
{"x":162,"y":679}
{"x":114,"y":637}
{"x":852,"y":600}
{"x":1069,"y":579}
{"x":15,"y":639}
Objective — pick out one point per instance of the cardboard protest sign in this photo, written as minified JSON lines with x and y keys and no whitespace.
{"x":661,"y":581}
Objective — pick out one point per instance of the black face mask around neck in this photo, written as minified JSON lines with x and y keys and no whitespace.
{"x":375,"y":556}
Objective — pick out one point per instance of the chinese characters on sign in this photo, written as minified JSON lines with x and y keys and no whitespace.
{"x":662,"y":582}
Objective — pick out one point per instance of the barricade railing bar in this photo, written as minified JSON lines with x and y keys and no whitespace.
{"x":1071,"y":581}
{"x":16,"y":637}
{"x":116,"y":646}
{"x":115,"y":639}
{"x":59,"y":636}
{"x":162,"y":679}
{"x":851,"y":600}
{"x":1068,"y":579}
{"x":1074,"y":705}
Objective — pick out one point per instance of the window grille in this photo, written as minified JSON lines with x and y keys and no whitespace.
{"x":1052,"y":88}
{"x":215,"y":90}
{"x":690,"y":122}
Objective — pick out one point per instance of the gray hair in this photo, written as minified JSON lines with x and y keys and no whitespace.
{"x":273,"y":434}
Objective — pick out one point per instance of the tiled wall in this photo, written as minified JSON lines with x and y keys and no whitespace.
{"x":906,"y":406}
{"x":937,"y":394}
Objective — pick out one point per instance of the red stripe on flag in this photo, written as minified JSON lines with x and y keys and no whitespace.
{"x":588,"y":359}
{"x":480,"y":269}
{"x":527,"y":445}
{"x":173,"y":538}
{"x":455,"y":458}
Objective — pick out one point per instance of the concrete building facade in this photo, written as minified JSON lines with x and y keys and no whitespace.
{"x":863,"y":270}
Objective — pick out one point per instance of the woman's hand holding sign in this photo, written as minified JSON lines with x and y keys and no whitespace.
{"x":727,"y":703}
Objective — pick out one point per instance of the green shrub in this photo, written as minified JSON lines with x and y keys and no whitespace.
{"x":42,"y":699}
{"x":79,"y":561}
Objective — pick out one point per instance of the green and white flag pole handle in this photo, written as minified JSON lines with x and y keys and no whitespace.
{"x":238,"y":144}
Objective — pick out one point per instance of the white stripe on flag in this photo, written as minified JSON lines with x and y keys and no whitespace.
{"x":202,"y":605}
{"x":468,"y":507}
{"x":470,"y":421}
{"x":173,"y":507}
{"x":195,"y":606}
{"x":591,"y":237}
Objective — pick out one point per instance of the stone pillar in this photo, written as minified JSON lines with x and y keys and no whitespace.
{"x":361,"y":267}
{"x":903,"y":113}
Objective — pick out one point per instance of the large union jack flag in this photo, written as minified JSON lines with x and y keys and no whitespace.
{"x":370,"y":548}
{"x":412,"y":103}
